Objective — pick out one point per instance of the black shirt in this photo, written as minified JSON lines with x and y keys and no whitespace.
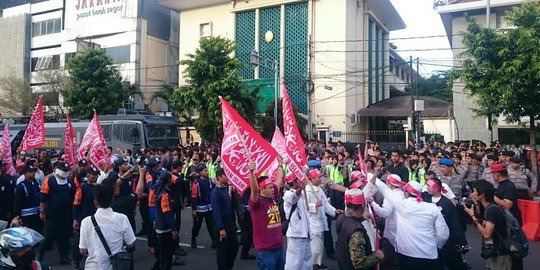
{"x":494,"y":214}
{"x":507,"y":190}
{"x":400,"y":170}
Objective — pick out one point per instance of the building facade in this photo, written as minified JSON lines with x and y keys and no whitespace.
{"x":468,"y":125}
{"x":333,"y":55}
{"x":140,"y":36}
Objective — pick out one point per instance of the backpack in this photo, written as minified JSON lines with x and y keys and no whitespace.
{"x":516,"y":243}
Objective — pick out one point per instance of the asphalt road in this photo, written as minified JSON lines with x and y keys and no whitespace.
{"x":204,"y":257}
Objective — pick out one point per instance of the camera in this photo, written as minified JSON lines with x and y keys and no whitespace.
{"x":467,"y":202}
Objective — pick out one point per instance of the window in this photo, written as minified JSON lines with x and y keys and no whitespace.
{"x":205,"y":30}
{"x":391,"y":64}
{"x":130,"y":133}
{"x":46,"y":27}
{"x":117,"y":131}
{"x":106,"y":131}
{"x":120,"y":54}
{"x":46,"y":62}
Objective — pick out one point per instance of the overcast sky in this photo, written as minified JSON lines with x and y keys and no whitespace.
{"x":422,"y":20}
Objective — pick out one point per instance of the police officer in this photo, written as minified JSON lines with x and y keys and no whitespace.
{"x":84,"y":206}
{"x":147,"y":179}
{"x":7,"y":191}
{"x":523,"y":178}
{"x":124,"y":201}
{"x":57,"y":195}
{"x":80,"y":178}
{"x":27,"y":200}
{"x":177,"y":204}
{"x":165,"y":225}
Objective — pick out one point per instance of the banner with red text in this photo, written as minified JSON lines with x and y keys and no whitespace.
{"x":293,"y":139}
{"x":70,"y":143}
{"x":239,"y":136}
{"x":34,"y":136}
{"x":7,"y":158}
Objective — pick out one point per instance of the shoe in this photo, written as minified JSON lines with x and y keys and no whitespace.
{"x":141,"y":233}
{"x":331,"y":256}
{"x":178,"y":261}
{"x":180,"y":251}
{"x":248,"y":257}
{"x":65,"y":261}
{"x":193,"y":243}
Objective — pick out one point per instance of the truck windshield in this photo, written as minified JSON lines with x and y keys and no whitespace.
{"x":161,"y":135}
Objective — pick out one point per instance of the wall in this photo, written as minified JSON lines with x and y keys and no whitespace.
{"x":14,"y":50}
{"x":444,"y":126}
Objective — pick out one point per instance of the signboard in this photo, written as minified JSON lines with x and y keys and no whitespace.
{"x":93,"y":8}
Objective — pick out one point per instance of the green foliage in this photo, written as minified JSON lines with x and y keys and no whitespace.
{"x":501,"y":68}
{"x":268,"y":123}
{"x":211,"y":72}
{"x":94,"y":83}
{"x":437,"y":85}
{"x":16,"y":95}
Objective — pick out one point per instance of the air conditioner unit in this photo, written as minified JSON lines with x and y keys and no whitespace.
{"x":355,"y":119}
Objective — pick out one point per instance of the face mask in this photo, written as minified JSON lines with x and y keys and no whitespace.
{"x":61,"y":174}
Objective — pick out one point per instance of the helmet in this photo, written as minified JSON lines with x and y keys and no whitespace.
{"x":14,"y":239}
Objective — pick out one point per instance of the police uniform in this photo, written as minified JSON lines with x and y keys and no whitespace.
{"x":7,"y":192}
{"x":524,"y":179}
{"x":83,"y":206}
{"x":27,"y":197}
{"x":57,"y":196}
{"x":164,"y":224}
{"x":148,"y":205}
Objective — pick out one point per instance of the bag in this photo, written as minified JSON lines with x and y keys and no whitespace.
{"x":516,"y":243}
{"x":120,"y":261}
{"x":285,"y":221}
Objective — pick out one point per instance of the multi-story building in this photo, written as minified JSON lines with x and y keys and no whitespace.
{"x":140,"y":36}
{"x":333,"y":55}
{"x":469,"y":126}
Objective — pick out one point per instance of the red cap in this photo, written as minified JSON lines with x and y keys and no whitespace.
{"x":354,"y":196}
{"x":498,"y":167}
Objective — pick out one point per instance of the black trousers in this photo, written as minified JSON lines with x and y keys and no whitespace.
{"x":164,"y":251}
{"x":58,"y":227}
{"x":227,"y":248}
{"x":76,"y":255}
{"x":247,"y":233}
{"x":186,"y":192}
{"x":33,"y":222}
{"x":451,"y":258}
{"x":147,"y":225}
{"x":390,"y":261}
{"x":197,"y":223}
{"x":329,"y":239}
{"x":410,"y":263}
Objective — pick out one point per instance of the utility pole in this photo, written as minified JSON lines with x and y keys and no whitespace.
{"x":418,"y":98}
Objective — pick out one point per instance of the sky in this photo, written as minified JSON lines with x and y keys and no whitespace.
{"x":422,"y":21}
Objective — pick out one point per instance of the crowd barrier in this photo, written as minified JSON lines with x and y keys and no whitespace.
{"x":530,"y":214}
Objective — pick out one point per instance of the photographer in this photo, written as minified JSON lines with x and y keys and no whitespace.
{"x":492,"y":226}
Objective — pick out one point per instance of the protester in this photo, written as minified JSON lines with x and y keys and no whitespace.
{"x":165,"y":225}
{"x":27,"y":197}
{"x":201,"y":207}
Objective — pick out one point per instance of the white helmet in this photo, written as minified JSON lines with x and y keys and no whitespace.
{"x":14,"y":239}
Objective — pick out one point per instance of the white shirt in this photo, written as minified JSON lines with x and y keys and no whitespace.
{"x":299,"y":222}
{"x":387,"y":212}
{"x":317,"y":217}
{"x":449,"y":193}
{"x":421,"y":227}
{"x":116,"y":230}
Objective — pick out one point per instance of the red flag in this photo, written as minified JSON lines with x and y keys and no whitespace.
{"x":70,"y":143}
{"x":94,"y":141}
{"x":278,"y":143}
{"x":7,"y":158}
{"x":34,"y":136}
{"x":239,"y":136}
{"x":363,"y":167}
{"x":293,"y":139}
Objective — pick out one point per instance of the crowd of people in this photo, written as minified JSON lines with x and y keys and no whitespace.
{"x":418,"y":200}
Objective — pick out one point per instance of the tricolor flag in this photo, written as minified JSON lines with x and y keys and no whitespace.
{"x":240,"y":144}
{"x":34,"y":137}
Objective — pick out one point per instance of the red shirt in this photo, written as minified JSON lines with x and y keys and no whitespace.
{"x":266,"y":224}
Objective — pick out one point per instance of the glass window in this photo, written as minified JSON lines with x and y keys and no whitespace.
{"x":50,"y":26}
{"x":205,"y":29}
{"x":117,"y":131}
{"x":130,"y":133}
{"x":43,"y":28}
{"x":36,"y":29}
{"x":120,"y":54}
{"x":57,"y":25}
{"x":106,"y":131}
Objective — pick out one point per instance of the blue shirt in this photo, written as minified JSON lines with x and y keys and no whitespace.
{"x":221,"y":205}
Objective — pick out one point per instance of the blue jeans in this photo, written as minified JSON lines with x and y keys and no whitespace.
{"x":271,"y":259}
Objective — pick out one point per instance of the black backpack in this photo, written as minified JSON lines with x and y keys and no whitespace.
{"x":516,"y":243}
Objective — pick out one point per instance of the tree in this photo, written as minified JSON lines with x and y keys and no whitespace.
{"x":437,"y":85}
{"x":53,"y":82}
{"x":211,"y":72}
{"x":501,"y":69}
{"x":268,"y":123}
{"x":94,"y":83}
{"x":16,"y":95}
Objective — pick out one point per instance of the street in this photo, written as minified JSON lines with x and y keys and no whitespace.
{"x":204,"y":256}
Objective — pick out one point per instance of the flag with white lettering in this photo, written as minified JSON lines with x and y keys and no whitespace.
{"x":94,"y":142}
{"x":240,"y":144}
{"x":293,"y":139}
{"x":70,"y":143}
{"x":34,"y":136}
{"x":7,"y":158}
{"x":278,"y":143}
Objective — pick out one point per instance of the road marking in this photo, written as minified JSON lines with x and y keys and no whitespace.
{"x":181,"y":244}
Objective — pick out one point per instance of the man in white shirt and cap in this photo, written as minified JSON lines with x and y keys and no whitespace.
{"x":421,"y":227}
{"x":386,"y":211}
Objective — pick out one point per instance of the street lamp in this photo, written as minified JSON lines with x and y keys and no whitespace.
{"x":256,"y":61}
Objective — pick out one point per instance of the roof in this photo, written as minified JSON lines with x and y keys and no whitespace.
{"x":401,"y":106}
{"x":387,"y":13}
